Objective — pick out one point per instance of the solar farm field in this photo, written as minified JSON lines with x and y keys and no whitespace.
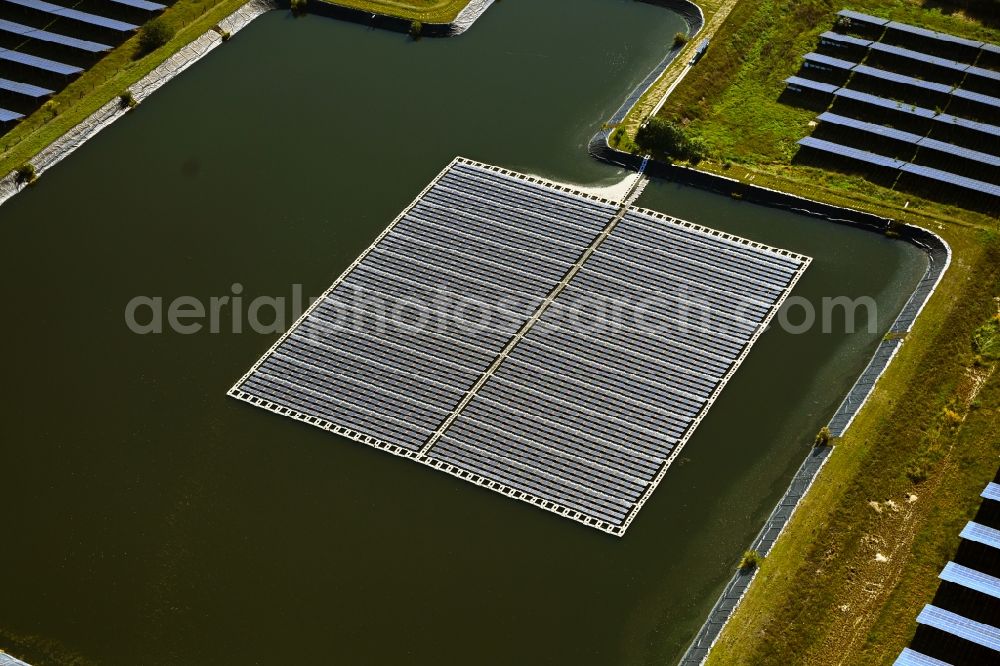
{"x":44,"y":46}
{"x":541,"y":395}
{"x":910,"y":108}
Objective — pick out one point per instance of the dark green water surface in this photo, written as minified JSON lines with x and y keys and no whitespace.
{"x":146,"y":518}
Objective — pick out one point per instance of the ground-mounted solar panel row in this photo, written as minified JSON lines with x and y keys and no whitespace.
{"x":548,"y":398}
{"x":891,"y":84}
{"x":50,"y":43}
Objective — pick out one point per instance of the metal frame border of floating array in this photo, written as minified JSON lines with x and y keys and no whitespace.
{"x":546,"y":504}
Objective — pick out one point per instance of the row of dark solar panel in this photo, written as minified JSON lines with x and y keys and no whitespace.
{"x":679,"y":288}
{"x":593,"y":399}
{"x":402,"y":343}
{"x":492,"y":232}
{"x":631,"y":363}
{"x":75,"y":15}
{"x":409,"y":306}
{"x":481,"y":462}
{"x":456,"y":293}
{"x":357,"y":391}
{"x":508,"y":194}
{"x":24,"y":88}
{"x":551,"y":225}
{"x":39,"y":63}
{"x":440,"y":343}
{"x":381,"y":426}
{"x":537,"y":427}
{"x":476,"y":287}
{"x":458,"y":261}
{"x":587,"y":214}
{"x":395,"y":379}
{"x":682,"y":342}
{"x":662,"y":262}
{"x":575,"y":417}
{"x":676,"y":397}
{"x":692,"y":310}
{"x":580,"y":386}
{"x":538,"y":192}
{"x":51,"y":37}
{"x":419,"y":362}
{"x":501,"y":200}
{"x":528,"y":262}
{"x":915,"y":169}
{"x":751,"y":264}
{"x":457,"y":212}
{"x":703,"y":238}
{"x":573,"y":358}
{"x":918,"y":140}
{"x":604,"y":485}
{"x":583,"y":404}
{"x":757,"y":272}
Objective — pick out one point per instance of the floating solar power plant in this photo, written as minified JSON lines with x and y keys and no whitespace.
{"x":475,"y":235}
{"x":141,"y":4}
{"x":952,"y":623}
{"x":75,"y":15}
{"x":526,"y":403}
{"x":952,"y":179}
{"x":826,"y":63}
{"x":24,"y":88}
{"x":799,"y":84}
{"x":46,"y":36}
{"x":849,"y":152}
{"x":9,"y":116}
{"x":588,"y":413}
{"x":39,"y":63}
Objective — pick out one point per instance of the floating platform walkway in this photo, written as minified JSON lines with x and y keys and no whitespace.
{"x":553,"y":346}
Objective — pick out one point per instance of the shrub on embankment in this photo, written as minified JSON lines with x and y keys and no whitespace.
{"x":664,"y":138}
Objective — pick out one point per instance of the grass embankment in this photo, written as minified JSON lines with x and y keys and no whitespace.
{"x":846,"y":580}
{"x":428,"y":11}
{"x":909,"y":471}
{"x":730,"y":102}
{"x":106,"y":80}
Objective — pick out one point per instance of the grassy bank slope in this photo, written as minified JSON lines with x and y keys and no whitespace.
{"x":428,"y":11}
{"x":909,"y":471}
{"x":106,"y":80}
{"x":730,"y":101}
{"x":900,"y":485}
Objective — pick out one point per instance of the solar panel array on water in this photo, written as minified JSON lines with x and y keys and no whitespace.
{"x":551,"y":345}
